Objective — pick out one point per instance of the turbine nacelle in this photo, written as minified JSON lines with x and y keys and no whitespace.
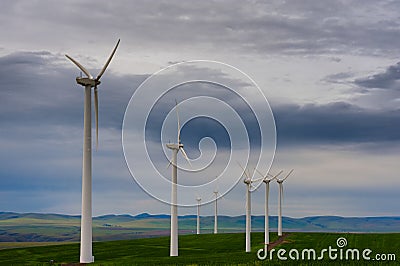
{"x":266,"y":181}
{"x":280,"y":181}
{"x":247,"y":181}
{"x":87,"y":82}
{"x":174,"y":146}
{"x":247,"y":176}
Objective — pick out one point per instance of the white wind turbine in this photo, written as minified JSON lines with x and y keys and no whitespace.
{"x":88,"y":82}
{"x":198,"y":215}
{"x":216,"y":212}
{"x":267,"y":179}
{"x":175,"y":147}
{"x":248,"y":180}
{"x":280,"y":183}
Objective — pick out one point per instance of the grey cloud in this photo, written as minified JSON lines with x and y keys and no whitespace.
{"x":339,"y":78}
{"x":337,"y":122}
{"x":333,"y":123}
{"x":291,"y":27}
{"x":389,"y":79}
{"x":325,"y":124}
{"x":380,"y":90}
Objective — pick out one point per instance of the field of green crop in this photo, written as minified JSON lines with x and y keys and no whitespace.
{"x":206,"y":249}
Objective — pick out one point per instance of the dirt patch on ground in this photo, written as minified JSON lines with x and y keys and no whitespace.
{"x":279,"y":241}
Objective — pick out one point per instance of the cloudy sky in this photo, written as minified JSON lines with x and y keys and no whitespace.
{"x":329,"y":69}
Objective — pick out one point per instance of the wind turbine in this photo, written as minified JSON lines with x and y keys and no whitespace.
{"x":88,"y":82}
{"x":175,"y":147}
{"x":247,"y":180}
{"x":216,"y":212}
{"x":267,"y":179}
{"x":280,"y":183}
{"x":198,"y":215}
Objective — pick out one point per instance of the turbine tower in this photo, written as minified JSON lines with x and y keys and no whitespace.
{"x":267,"y":179}
{"x":280,"y":183}
{"x":86,"y":219}
{"x":175,"y":147}
{"x":247,"y":180}
{"x":198,"y":215}
{"x":216,"y":212}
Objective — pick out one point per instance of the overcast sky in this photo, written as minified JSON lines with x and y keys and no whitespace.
{"x":329,"y":69}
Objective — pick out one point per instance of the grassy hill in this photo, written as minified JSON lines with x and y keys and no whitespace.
{"x":34,"y":227}
{"x":206,"y":249}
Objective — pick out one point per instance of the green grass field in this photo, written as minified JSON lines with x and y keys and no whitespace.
{"x":207,"y":249}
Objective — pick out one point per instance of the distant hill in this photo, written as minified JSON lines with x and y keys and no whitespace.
{"x":39,"y":227}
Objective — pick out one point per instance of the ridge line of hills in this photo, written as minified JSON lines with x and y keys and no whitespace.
{"x":39,"y":227}
{"x":13,"y":215}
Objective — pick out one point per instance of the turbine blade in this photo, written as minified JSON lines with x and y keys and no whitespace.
{"x":281,"y":188}
{"x":258,"y":179}
{"x":185,"y":155}
{"x":280,"y":172}
{"x":244,"y":171}
{"x":96,"y":113}
{"x":262,"y":175}
{"x":108,"y":61}
{"x":251,"y":175}
{"x":169,"y":164}
{"x":275,"y":176}
{"x":84,"y":70}
{"x":291,"y":171}
{"x":179,"y":124}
